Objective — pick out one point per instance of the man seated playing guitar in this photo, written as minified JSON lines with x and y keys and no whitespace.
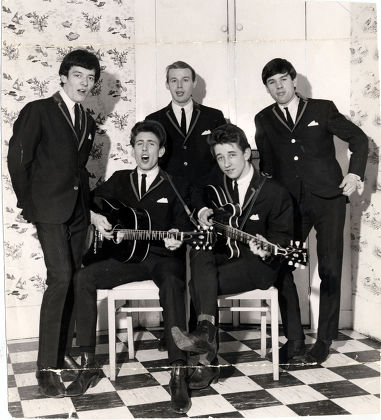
{"x":264,"y":211}
{"x":149,"y":188}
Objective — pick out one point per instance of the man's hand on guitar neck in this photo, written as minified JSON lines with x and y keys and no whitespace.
{"x":171,"y":243}
{"x":256,"y":249}
{"x":204,"y":217}
{"x":102,"y":224}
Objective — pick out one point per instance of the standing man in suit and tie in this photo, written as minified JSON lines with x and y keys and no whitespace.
{"x":188,"y":125}
{"x":47,"y":157}
{"x":150,"y":188}
{"x":294,"y":137}
{"x":266,"y":212}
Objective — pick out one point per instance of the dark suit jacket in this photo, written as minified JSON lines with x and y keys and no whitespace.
{"x":189,"y":156}
{"x":307,"y":153}
{"x":161,"y":201}
{"x":47,"y":162}
{"x":272,"y":213}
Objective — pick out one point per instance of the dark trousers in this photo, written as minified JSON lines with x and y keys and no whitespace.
{"x":62,"y":245}
{"x":213,"y":274}
{"x":327,"y":216}
{"x":167,"y":273}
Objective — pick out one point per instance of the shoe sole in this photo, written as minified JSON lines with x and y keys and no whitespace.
{"x":186,"y":344}
{"x":91,"y":384}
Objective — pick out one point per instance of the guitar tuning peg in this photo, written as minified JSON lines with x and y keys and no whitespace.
{"x":197,"y":247}
{"x":290,"y":263}
{"x":304,"y":244}
{"x":210,"y":248}
{"x":297,"y":243}
{"x":297,"y":265}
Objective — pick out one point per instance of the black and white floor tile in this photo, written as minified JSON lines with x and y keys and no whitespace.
{"x":347,"y":383}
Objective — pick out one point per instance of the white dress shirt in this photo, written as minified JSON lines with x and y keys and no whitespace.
{"x":292,"y":108}
{"x":69,"y":103}
{"x":151,"y":175}
{"x":188,"y":108}
{"x":243,"y":185}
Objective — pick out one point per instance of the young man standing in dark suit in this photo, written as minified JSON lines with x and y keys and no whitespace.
{"x":47,"y":157}
{"x":146,"y":187}
{"x":187,"y":125}
{"x":294,"y":137}
{"x":266,"y":213}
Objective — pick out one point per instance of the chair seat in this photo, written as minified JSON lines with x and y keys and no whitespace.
{"x":252,"y":294}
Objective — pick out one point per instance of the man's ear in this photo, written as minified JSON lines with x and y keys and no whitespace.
{"x":133,"y":152}
{"x":295,"y":81}
{"x":247,"y":153}
{"x":161,"y":151}
{"x":167,"y":85}
{"x":63,"y":78}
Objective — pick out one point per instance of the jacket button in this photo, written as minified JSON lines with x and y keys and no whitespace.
{"x":293,"y":140}
{"x":76,"y":188}
{"x":185,"y":163}
{"x":296,"y":157}
{"x":185,"y":147}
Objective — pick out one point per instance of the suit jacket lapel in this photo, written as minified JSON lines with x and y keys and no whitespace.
{"x":172,"y":118}
{"x":301,"y":108}
{"x":280,"y":116}
{"x":134,"y":183}
{"x":63,"y":108}
{"x":253,"y":186}
{"x":83,"y":127}
{"x":156,"y":182}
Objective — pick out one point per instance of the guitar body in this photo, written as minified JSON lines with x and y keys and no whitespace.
{"x":227,"y":214}
{"x":120,"y":217}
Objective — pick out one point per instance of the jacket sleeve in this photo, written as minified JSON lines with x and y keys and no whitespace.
{"x":22,"y":147}
{"x":354,"y":136}
{"x":219,"y":120}
{"x":263,"y":145}
{"x":281,"y":221}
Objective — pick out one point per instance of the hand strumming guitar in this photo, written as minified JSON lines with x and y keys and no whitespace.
{"x":204,"y":217}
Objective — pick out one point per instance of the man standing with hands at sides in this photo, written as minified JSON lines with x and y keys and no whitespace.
{"x":266,"y":213}
{"x":47,"y":157}
{"x":294,"y":137}
{"x":146,"y":187}
{"x":187,"y":125}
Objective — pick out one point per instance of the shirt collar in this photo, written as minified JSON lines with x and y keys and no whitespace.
{"x":247,"y":177}
{"x":68,"y":102}
{"x":152,"y":174}
{"x":291,"y":105}
{"x":187,"y":108}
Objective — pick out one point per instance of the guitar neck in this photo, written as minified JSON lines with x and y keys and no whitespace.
{"x":241,"y":236}
{"x":149,"y":235}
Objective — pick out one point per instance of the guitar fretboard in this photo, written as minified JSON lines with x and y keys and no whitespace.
{"x":239,"y":235}
{"x":149,"y":235}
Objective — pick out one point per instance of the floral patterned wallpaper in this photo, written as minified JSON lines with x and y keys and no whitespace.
{"x":366,"y":208}
{"x":36,"y":34}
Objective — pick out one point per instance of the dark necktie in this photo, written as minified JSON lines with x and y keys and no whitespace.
{"x":183,"y":124}
{"x":235,"y":195}
{"x":77,"y":120}
{"x":288,"y":118}
{"x":143,"y":187}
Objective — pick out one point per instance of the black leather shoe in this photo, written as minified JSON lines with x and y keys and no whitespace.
{"x":178,"y":389}
{"x":203,"y":376}
{"x":292,"y":352}
{"x":70,"y":368}
{"x":202,"y":340}
{"x":162,"y":344}
{"x":50,"y":383}
{"x":319,"y":352}
{"x":88,"y":376}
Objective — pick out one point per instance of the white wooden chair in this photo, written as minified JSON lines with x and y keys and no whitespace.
{"x":147,"y":290}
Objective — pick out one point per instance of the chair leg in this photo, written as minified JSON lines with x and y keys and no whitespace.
{"x":263,"y":331}
{"x":275,"y":335}
{"x":130,"y":337}
{"x":111,"y":335}
{"x":235,"y":314}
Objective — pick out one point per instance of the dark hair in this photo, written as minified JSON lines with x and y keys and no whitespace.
{"x":80,"y":58}
{"x":149,"y":126}
{"x":228,"y":133}
{"x":277,"y":66}
{"x":180,"y":65}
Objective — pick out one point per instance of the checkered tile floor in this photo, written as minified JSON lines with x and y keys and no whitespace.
{"x":347,"y":383}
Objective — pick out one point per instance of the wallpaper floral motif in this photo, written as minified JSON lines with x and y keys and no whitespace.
{"x":366,"y":209}
{"x":36,"y":36}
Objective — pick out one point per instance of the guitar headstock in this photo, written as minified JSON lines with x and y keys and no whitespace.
{"x":296,"y":254}
{"x":202,"y":238}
